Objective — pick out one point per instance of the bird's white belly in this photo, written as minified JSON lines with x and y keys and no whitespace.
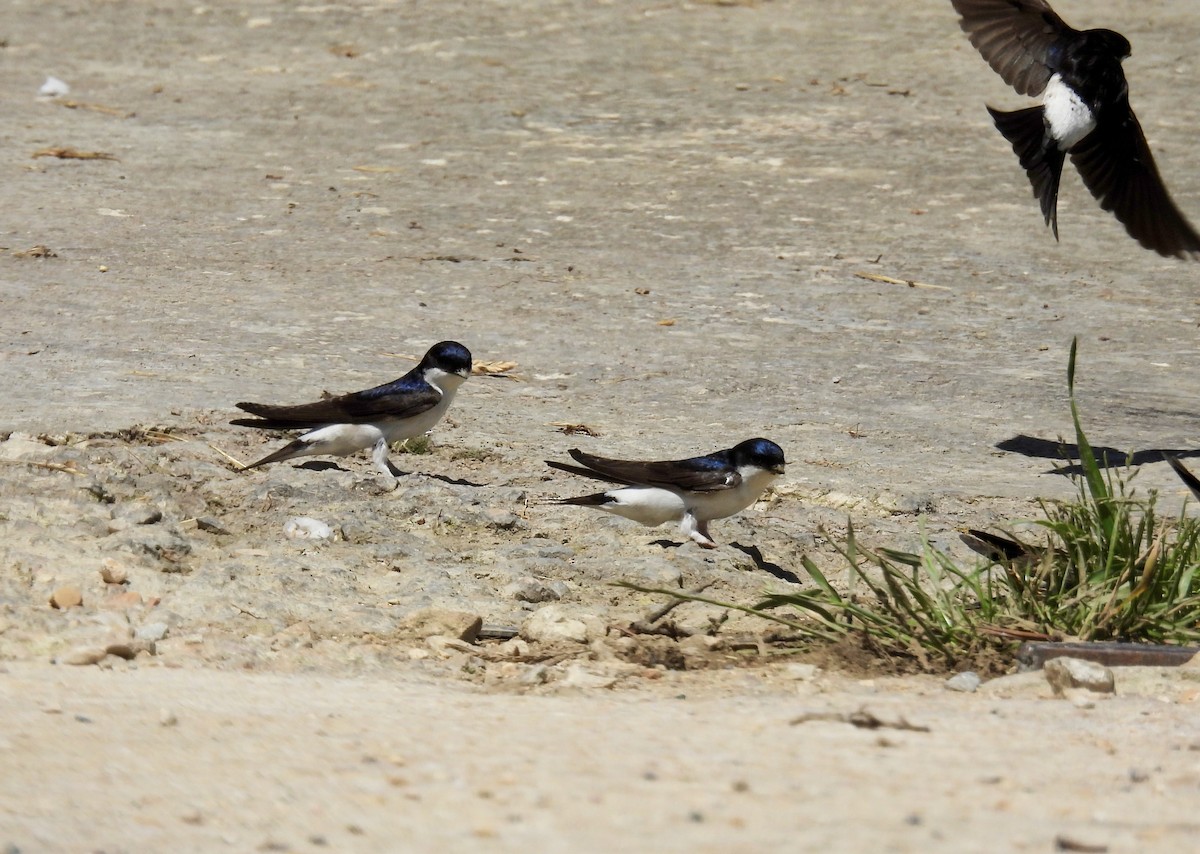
{"x":339,"y":440}
{"x":645,"y":504}
{"x":1067,"y":116}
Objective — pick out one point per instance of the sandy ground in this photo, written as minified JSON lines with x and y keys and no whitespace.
{"x":660,"y":213}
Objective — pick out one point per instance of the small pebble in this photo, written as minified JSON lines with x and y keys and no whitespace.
{"x":306,"y":528}
{"x":137,"y":514}
{"x":53,"y":88}
{"x":966,"y":682}
{"x":211,"y":525}
{"x":67,"y":596}
{"x":151,"y":632}
{"x":803,"y":672}
{"x":531,"y":590}
{"x":112,"y":572}
{"x":83,"y":655}
{"x":122,"y":601}
{"x":166,"y":717}
{"x":1064,"y":673}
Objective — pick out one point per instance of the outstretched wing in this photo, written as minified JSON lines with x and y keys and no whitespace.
{"x":699,"y":474}
{"x":1015,"y":37}
{"x":1118,"y":168}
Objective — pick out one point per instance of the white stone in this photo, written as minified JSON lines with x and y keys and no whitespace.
{"x":306,"y":528}
{"x":1065,"y":673}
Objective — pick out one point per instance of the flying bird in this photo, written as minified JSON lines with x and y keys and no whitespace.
{"x":692,"y":492}
{"x":1084,"y":112}
{"x":374,"y":418}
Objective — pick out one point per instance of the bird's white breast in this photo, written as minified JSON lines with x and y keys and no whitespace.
{"x":1068,"y":117}
{"x":410,"y":428}
{"x":726,"y":502}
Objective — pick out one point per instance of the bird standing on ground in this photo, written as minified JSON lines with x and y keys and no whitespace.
{"x":375,"y":418}
{"x":692,"y":492}
{"x":1084,"y":112}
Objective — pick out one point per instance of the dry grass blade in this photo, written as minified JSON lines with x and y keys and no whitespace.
{"x":39,"y":251}
{"x":96,"y":108}
{"x":229,"y":457}
{"x":496,"y":369}
{"x":862,"y":719}
{"x":162,"y":437}
{"x":912,"y":283}
{"x":63,"y":467}
{"x":572,"y":429}
{"x":66,"y":153}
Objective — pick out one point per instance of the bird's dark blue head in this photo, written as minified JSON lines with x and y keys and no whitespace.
{"x":1114,"y":44}
{"x":758,"y":452}
{"x":448,"y":356}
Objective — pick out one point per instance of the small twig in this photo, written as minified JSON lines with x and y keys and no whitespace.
{"x":912,"y":283}
{"x":571,"y":428}
{"x":63,"y":467}
{"x":242,"y":610}
{"x":161,"y":436}
{"x":861,"y":719}
{"x":65,"y":153}
{"x":645,"y":626}
{"x":662,"y":610}
{"x":732,"y":606}
{"x":231,"y":459}
{"x":96,"y":108}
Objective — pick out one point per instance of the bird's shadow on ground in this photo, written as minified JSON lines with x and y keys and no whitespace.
{"x":456,"y":481}
{"x":755,"y":554}
{"x":327,"y":465}
{"x":320,"y":465}
{"x":1106,"y":457}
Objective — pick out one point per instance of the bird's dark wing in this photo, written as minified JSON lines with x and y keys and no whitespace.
{"x":403,"y":398}
{"x":1015,"y":37}
{"x":698,"y":474}
{"x":583,"y":472}
{"x":1189,"y":479}
{"x":1117,"y":166}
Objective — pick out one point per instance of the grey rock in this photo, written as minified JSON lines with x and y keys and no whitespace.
{"x":802,"y":672}
{"x":531,"y":590}
{"x":966,"y":682}
{"x":136,"y":513}
{"x":578,"y":675}
{"x":558,"y":623}
{"x":151,"y":632}
{"x":538,"y":674}
{"x":165,"y":544}
{"x":428,"y":622}
{"x":211,"y":525}
{"x":1066,"y":673}
{"x":83,"y":655}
